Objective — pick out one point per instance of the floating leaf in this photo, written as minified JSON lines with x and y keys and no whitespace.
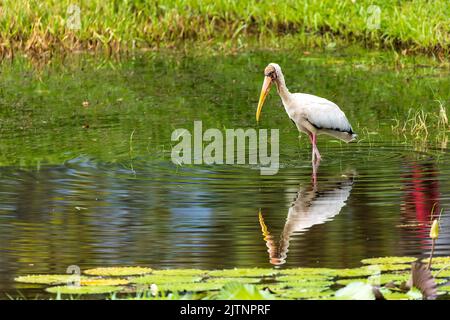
{"x":118,"y":271}
{"x":310,"y":293}
{"x":309,"y":271}
{"x":415,"y":294}
{"x":103,"y":282}
{"x":355,"y":272}
{"x":345,"y":282}
{"x":283,"y":286}
{"x":440,"y":266}
{"x":48,"y":278}
{"x":377,"y":279}
{"x":445,"y":288}
{"x":180,"y":272}
{"x":190,"y":287}
{"x":389,"y":260}
{"x":443,"y":260}
{"x":239,"y":291}
{"x":442,"y":274}
{"x":75,"y":290}
{"x":390,"y":267}
{"x":246,"y":280}
{"x":160,"y":279}
{"x":252,"y":272}
{"x":295,"y":278}
{"x":389,"y":295}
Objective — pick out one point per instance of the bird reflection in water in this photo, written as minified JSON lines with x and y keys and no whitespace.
{"x":313,"y":205}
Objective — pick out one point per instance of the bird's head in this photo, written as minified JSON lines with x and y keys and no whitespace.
{"x":271,"y":74}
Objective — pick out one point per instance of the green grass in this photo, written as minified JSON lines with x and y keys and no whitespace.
{"x":40,"y":26}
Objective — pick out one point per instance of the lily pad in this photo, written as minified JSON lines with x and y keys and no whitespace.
{"x":309,"y":272}
{"x":159,"y":279}
{"x":376,"y":280}
{"x":439,"y":266}
{"x":390,"y":267}
{"x":388,"y":260}
{"x":75,"y":290}
{"x":445,"y":288}
{"x":396,"y":296}
{"x":245,"y":280}
{"x":118,"y":271}
{"x":344,"y":282}
{"x":190,"y":287}
{"x":441,"y":274}
{"x":103,"y":282}
{"x":251,"y":272}
{"x":239,"y":291}
{"x":180,"y":272}
{"x":283,"y":286}
{"x":296,"y":278}
{"x":310,"y":293}
{"x":47,"y":278}
{"x":444,"y":260}
{"x":355,"y":272}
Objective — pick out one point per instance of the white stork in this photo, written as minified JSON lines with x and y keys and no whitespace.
{"x":311,"y":114}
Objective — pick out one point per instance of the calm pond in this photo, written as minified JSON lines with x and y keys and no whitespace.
{"x":86,"y":176}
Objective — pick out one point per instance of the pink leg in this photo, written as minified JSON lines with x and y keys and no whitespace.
{"x":315,"y":149}
{"x":310,"y":135}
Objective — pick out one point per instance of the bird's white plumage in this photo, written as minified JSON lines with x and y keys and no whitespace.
{"x":321,"y":113}
{"x":311,"y":114}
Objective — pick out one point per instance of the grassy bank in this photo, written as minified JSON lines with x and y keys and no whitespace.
{"x":47,"y":26}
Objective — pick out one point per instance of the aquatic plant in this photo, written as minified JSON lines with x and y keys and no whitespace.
{"x":252,"y":272}
{"x":47,"y":278}
{"x":163,"y":279}
{"x":239,"y":291}
{"x":81,"y":290}
{"x":387,"y":275}
{"x":388,"y":260}
{"x":118,"y":271}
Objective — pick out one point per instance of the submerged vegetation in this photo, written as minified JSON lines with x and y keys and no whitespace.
{"x":50,"y":26}
{"x":298,"y":283}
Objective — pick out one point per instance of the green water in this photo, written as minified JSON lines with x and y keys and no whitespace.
{"x":94,"y":185}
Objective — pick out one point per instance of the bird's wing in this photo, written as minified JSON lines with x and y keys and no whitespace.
{"x":322,"y":113}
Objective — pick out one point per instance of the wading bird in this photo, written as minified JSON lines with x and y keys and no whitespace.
{"x":311,"y":114}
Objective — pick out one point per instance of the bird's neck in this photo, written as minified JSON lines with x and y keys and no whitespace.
{"x":283,"y":91}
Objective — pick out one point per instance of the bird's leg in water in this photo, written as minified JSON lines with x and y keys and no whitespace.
{"x":315,"y":149}
{"x":312,"y":144}
{"x":315,"y":167}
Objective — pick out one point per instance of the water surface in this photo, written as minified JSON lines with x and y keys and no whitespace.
{"x":93,"y":185}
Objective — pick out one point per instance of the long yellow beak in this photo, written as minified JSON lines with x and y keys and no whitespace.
{"x":264,"y":92}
